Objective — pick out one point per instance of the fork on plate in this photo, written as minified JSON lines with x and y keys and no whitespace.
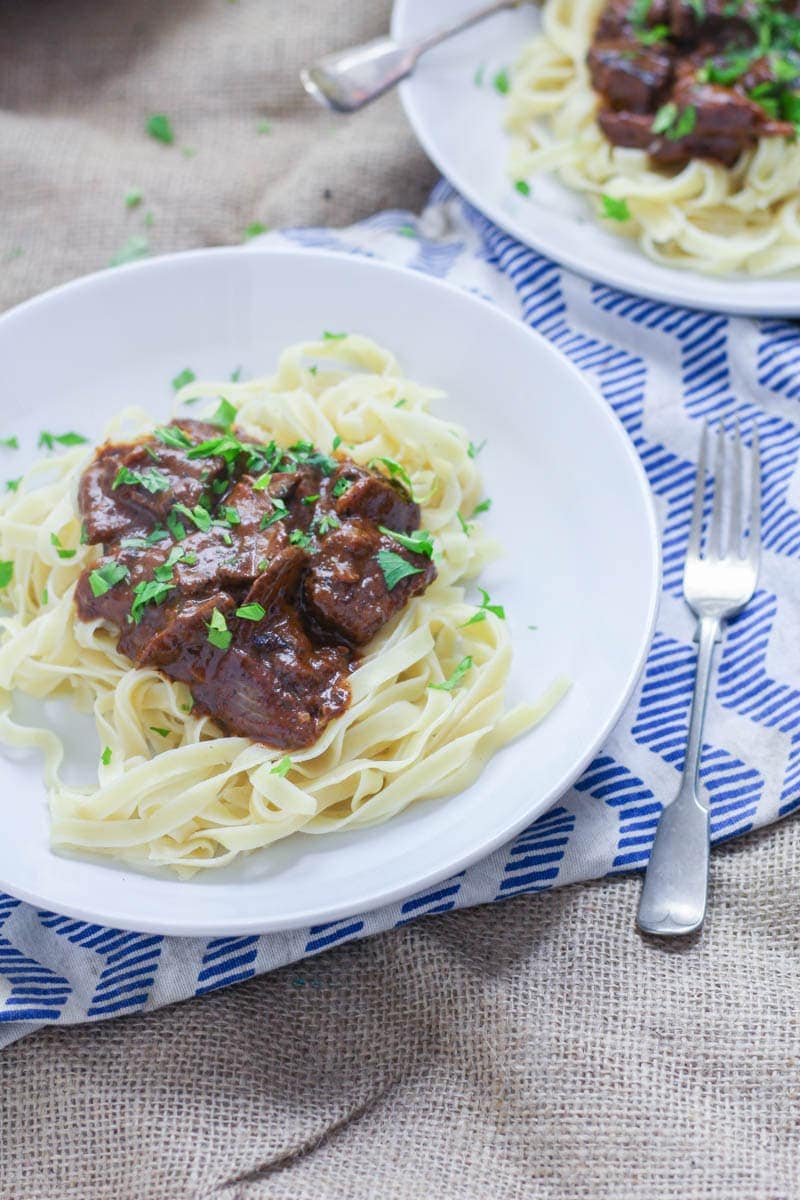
{"x":719,"y":578}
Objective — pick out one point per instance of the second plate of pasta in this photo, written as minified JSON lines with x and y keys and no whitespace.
{"x":507,"y":111}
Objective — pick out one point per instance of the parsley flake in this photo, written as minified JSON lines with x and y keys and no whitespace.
{"x":420,"y":541}
{"x":395,"y":568}
{"x":105,"y":757}
{"x":218,"y":633}
{"x":161,"y":732}
{"x":327,"y":336}
{"x":448,"y":685}
{"x":523,"y":187}
{"x":148,"y":591}
{"x":254,"y":229}
{"x":55,"y":540}
{"x":12,"y":485}
{"x":502,"y":82}
{"x":199,"y":516}
{"x":6,"y":573}
{"x":104,"y":578}
{"x":170,"y":435}
{"x":483,"y":507}
{"x":183,"y":377}
{"x":159,"y":127}
{"x":485,"y":607}
{"x":615,"y":209}
{"x":134,"y":198}
{"x":225,"y":414}
{"x":135,"y":248}
{"x":279,"y":512}
{"x":48,"y":440}
{"x":396,"y":471}
{"x":151,"y":479}
{"x":283,"y":767}
{"x":251,"y":612}
{"x":10,"y":443}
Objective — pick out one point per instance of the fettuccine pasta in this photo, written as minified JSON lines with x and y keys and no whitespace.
{"x":171,"y":789}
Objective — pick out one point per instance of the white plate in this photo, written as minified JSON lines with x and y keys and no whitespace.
{"x":460,"y":127}
{"x":571,"y":504}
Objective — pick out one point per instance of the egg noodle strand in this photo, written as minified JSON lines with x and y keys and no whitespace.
{"x":704,"y":216}
{"x":194,"y":798}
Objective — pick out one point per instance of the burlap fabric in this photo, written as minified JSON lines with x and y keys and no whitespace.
{"x":537,"y":1049}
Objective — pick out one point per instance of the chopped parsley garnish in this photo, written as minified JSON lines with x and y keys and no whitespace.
{"x":615,"y":209}
{"x":448,"y":685}
{"x":420,"y":541}
{"x":6,"y":573}
{"x":175,"y":526}
{"x":199,"y":516}
{"x":170,"y":435}
{"x":187,"y":708}
{"x":251,"y":612}
{"x":485,"y":607}
{"x":163,"y":572}
{"x":263,"y":482}
{"x":105,"y":757}
{"x":673,"y":122}
{"x":254,"y":229}
{"x":48,"y":440}
{"x":183,"y":377}
{"x":231,"y":515}
{"x":151,"y":479}
{"x":465,"y":528}
{"x":399,"y":403}
{"x":483,"y":507}
{"x":161,"y":732}
{"x":407,"y":231}
{"x":311,"y":499}
{"x":337,"y":441}
{"x":225,"y":414}
{"x":12,"y":485}
{"x":657,"y":33}
{"x":104,"y":578}
{"x":134,"y":198}
{"x":226,"y":447}
{"x":10,"y":443}
{"x":283,"y":767}
{"x":262,"y":565}
{"x":327,"y":336}
{"x":218,"y":633}
{"x":324,"y":522}
{"x":396,"y":472}
{"x":159,"y":127}
{"x":502,"y":82}
{"x":340,"y":487}
{"x":298,"y":538}
{"x":395,"y":568}
{"x":135,"y":248}
{"x":236,"y":375}
{"x":45,"y":596}
{"x":279,"y":512}
{"x":473,"y":451}
{"x":55,"y":540}
{"x":148,"y":591}
{"x":665,"y":117}
{"x":264,"y":126}
{"x":523,"y":187}
{"x":477,"y":78}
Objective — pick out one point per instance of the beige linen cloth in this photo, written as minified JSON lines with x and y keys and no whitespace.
{"x":538,"y":1049}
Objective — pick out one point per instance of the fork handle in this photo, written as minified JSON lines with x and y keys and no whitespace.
{"x":673,"y":899}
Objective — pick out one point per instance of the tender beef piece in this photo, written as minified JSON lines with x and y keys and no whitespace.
{"x":105,"y":521}
{"x":628,"y":129}
{"x":275,"y":584}
{"x":726,"y":124}
{"x":294,"y":488}
{"x":283,"y":696}
{"x":111,"y":513}
{"x":345,"y":590}
{"x":375,"y":499}
{"x":632,"y":80}
{"x":181,"y":646}
{"x":189,"y":479}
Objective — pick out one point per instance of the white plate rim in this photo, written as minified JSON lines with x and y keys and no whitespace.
{"x":377,"y":898}
{"x":686,"y":289}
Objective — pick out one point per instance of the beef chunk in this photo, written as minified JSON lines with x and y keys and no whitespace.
{"x":633,"y":81}
{"x":375,"y":499}
{"x":345,"y":589}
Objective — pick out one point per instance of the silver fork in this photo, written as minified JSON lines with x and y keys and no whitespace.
{"x":348,"y":79}
{"x":719,"y":578}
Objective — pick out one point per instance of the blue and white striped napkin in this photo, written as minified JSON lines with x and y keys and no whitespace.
{"x":663,"y":370}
